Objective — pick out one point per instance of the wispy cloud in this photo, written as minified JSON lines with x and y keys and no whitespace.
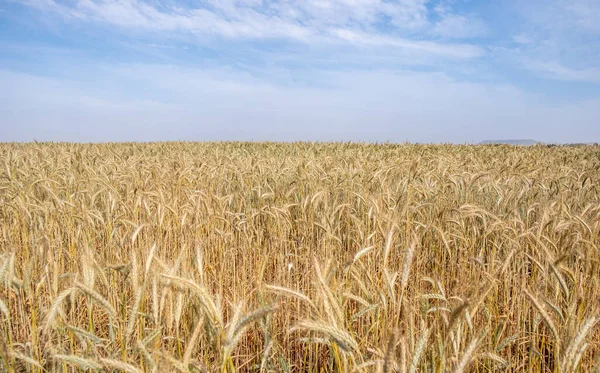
{"x":222,"y":104}
{"x":582,"y":13}
{"x":447,"y":49}
{"x":453,"y":25}
{"x":560,"y":39}
{"x":555,"y":70}
{"x":395,"y":24}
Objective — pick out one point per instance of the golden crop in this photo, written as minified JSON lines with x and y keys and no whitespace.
{"x":297,"y":257}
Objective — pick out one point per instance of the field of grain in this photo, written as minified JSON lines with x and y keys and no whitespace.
{"x":299,"y":257}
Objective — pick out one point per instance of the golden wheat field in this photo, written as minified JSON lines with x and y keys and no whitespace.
{"x":299,"y":257}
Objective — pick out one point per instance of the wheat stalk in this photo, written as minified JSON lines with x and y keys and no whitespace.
{"x":78,"y":361}
{"x":341,"y":337}
{"x":55,"y":308}
{"x":105,"y":304}
{"x":467,"y":356}
{"x":119,"y":365}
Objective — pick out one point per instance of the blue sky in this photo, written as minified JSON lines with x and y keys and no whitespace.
{"x":364,"y":70}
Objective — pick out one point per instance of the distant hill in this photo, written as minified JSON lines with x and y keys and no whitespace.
{"x":524,"y":142}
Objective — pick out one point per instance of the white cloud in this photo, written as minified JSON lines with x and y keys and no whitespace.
{"x":557,"y":71}
{"x":583,"y":13}
{"x":448,"y":50}
{"x":564,"y":18}
{"x":459,"y":27}
{"x":172,"y":103}
{"x":320,"y":14}
{"x":452,"y":25}
{"x":305,"y":21}
{"x":522,"y":39}
{"x":559,"y":39}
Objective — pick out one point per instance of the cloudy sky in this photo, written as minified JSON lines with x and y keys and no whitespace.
{"x":368,"y":70}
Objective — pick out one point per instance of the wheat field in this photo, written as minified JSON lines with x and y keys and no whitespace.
{"x":299,"y":257}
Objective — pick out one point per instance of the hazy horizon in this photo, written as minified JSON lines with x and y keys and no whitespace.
{"x":444,"y":71}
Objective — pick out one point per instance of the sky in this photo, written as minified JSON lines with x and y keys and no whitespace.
{"x":449,"y":71}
